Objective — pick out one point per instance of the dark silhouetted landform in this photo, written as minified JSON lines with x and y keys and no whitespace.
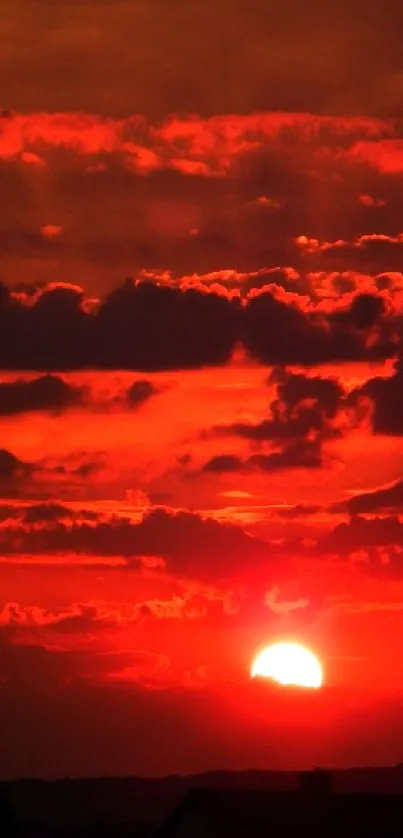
{"x":138,"y":807}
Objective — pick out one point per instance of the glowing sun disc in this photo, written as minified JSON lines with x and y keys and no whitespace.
{"x":290,"y":664}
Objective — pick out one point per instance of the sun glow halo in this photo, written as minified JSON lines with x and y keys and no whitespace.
{"x":290,"y":664}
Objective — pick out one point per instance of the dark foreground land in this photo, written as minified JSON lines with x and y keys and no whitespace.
{"x":135,"y":807}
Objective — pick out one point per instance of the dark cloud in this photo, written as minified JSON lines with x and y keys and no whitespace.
{"x":50,"y":334}
{"x":297,"y":454}
{"x":385,"y":395}
{"x":151,"y":326}
{"x":300,"y":510}
{"x":222,"y":463}
{"x":368,"y":252}
{"x":302,"y":418}
{"x":388,"y":498}
{"x":154,"y":325}
{"x":366,"y":311}
{"x":43,"y":513}
{"x":12,"y":469}
{"x":362,"y":532}
{"x":304,"y":407}
{"x":49,"y":392}
{"x":46,"y":512}
{"x":143,"y":326}
{"x":34,"y":669}
{"x":51,"y":511}
{"x":40,"y":479}
{"x":187,"y":542}
{"x":280,"y":332}
{"x":139,"y":392}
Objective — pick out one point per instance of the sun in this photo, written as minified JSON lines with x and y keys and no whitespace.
{"x":290,"y":664}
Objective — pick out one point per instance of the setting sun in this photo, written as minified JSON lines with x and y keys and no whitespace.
{"x":288,"y":664}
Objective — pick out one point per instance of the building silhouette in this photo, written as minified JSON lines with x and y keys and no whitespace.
{"x":312,"y":810}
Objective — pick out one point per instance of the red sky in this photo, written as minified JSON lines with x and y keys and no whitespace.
{"x":201,"y":389}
